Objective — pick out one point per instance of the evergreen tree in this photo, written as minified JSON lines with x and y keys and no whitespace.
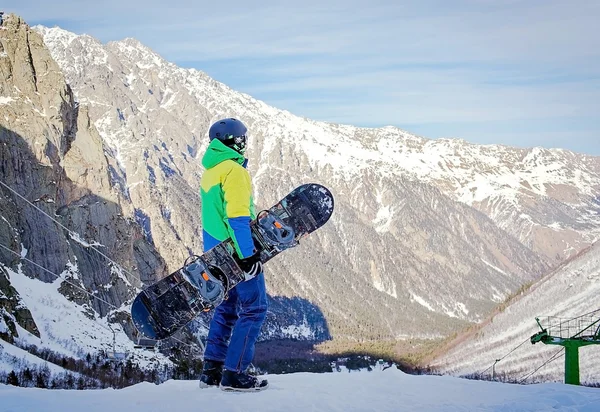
{"x":40,"y":382}
{"x":27,"y":377}
{"x":12,"y":379}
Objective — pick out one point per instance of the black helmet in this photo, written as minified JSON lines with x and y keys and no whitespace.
{"x":231,"y":132}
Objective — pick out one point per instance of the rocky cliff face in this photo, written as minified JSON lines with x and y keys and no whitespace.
{"x":52,"y":155}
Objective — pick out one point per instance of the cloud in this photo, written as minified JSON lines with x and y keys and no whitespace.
{"x":530,"y":63}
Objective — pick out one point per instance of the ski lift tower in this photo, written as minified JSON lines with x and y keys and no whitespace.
{"x":571,"y":334}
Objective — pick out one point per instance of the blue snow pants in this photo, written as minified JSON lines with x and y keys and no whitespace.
{"x":236,"y":324}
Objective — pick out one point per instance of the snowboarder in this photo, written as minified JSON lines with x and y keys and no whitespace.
{"x":227,"y":210}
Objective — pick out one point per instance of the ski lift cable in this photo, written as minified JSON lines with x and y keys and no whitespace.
{"x":511,"y":351}
{"x":514,"y":349}
{"x":72,"y":233}
{"x":559,"y":353}
{"x":589,"y":313}
{"x":590,"y":326}
{"x":80,"y":288}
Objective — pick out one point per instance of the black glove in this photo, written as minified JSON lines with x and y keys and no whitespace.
{"x":252,"y":266}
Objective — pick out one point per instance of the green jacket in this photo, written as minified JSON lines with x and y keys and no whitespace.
{"x":227,"y":202}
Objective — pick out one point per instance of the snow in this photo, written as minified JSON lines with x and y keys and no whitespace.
{"x":56,"y":35}
{"x":118,"y":271}
{"x":23,"y":251}
{"x":379,"y":285}
{"x":12,"y":357}
{"x":301,"y":330}
{"x":388,"y":390}
{"x":171,"y":100}
{"x":459,"y":307}
{"x":66,"y":327}
{"x":61,"y":322}
{"x":77,"y":238}
{"x":130,"y":78}
{"x":6,"y":100}
{"x":421,"y":301}
{"x":383,"y":219}
{"x":496,"y":268}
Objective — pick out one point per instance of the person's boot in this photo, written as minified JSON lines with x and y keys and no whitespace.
{"x":212,"y":372}
{"x":233,"y":381}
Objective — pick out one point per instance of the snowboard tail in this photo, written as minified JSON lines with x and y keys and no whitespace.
{"x":203,"y":282}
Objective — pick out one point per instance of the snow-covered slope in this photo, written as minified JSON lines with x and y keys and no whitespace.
{"x":568,"y":293}
{"x":15,"y":358}
{"x":390,"y":390}
{"x":70,"y":329}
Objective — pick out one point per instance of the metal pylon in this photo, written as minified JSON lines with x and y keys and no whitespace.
{"x":571,"y":334}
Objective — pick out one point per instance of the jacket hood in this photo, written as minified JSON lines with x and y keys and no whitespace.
{"x":217,"y":152}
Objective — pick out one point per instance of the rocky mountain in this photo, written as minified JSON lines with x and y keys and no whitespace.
{"x":547,"y":199}
{"x":566,"y":302}
{"x":52,"y":155}
{"x":155,"y":117}
{"x":428,"y":235}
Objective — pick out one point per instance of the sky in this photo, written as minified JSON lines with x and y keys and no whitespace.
{"x":515,"y":72}
{"x":383,"y":391}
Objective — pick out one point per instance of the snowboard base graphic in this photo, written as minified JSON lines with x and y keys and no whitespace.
{"x":202,"y":283}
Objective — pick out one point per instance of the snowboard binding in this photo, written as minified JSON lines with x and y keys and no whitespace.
{"x":211,"y":289}
{"x":274,"y":231}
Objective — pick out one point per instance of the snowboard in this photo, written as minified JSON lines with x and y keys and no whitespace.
{"x":203,"y":282}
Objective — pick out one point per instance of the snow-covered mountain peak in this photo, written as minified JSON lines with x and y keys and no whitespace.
{"x":56,"y":35}
{"x":61,"y":40}
{"x":144,"y":57}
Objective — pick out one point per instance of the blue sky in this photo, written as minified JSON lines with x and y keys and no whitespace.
{"x":515,"y":72}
